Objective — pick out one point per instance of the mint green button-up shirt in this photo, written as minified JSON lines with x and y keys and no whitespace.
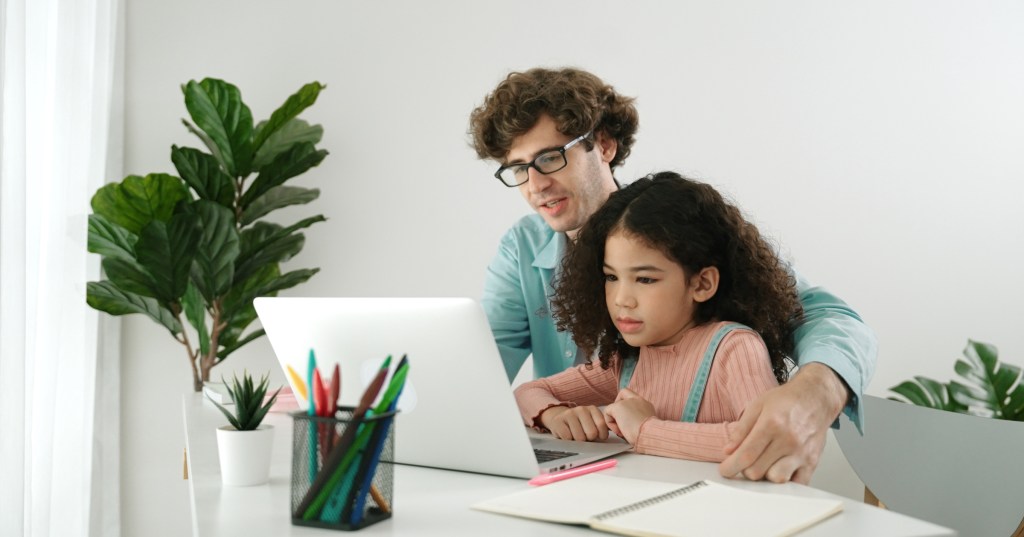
{"x":519,"y":283}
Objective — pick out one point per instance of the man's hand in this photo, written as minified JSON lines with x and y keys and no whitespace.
{"x":781,"y":434}
{"x":577,"y":423}
{"x":627,"y":413}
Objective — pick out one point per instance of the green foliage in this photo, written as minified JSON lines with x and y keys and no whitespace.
{"x":249,"y":406}
{"x":195,"y":243}
{"x":991,"y":389}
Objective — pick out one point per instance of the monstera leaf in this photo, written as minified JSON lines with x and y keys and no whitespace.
{"x":195,"y":245}
{"x":989,"y":388}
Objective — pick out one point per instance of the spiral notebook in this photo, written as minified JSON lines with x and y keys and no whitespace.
{"x":640,"y":507}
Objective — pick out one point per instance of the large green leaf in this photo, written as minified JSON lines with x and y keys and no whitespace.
{"x":231,"y":338}
{"x":195,"y":311}
{"x":137,"y":201}
{"x":275,"y":198}
{"x":214,"y":266}
{"x":129,"y":276}
{"x":265,"y":243}
{"x":203,"y":173}
{"x":267,"y":281}
{"x":166,"y":251}
{"x":107,"y":297}
{"x":286,"y":281}
{"x":296,"y":160}
{"x":926,"y":392}
{"x":239,"y":343}
{"x":264,"y":286}
{"x":292,"y":107}
{"x":216,"y":107}
{"x":207,"y":141}
{"x":284,"y":138}
{"x":109,"y":239}
{"x":241,"y":316}
{"x":277,"y":249}
{"x":239,"y":299}
{"x":993,"y":389}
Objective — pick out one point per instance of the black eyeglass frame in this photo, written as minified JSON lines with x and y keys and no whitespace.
{"x":533,"y":163}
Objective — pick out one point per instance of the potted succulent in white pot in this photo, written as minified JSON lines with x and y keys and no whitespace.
{"x":244,"y":446}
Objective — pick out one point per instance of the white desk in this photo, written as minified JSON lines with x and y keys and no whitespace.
{"x":436,"y":502}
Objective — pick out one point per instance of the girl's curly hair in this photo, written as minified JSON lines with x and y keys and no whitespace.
{"x":692,"y":224}
{"x":578,"y":101}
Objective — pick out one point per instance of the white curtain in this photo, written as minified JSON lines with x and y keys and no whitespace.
{"x":58,"y":378}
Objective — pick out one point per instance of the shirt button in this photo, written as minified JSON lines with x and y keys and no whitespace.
{"x":568,"y":354}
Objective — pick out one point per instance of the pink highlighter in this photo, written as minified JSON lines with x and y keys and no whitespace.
{"x":546,"y":479}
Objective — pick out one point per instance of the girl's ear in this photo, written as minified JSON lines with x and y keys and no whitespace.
{"x":705,"y":284}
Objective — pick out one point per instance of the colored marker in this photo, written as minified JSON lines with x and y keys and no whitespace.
{"x":547,"y":479}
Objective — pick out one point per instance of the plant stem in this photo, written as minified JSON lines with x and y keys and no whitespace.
{"x":197,"y":384}
{"x":216,"y":328}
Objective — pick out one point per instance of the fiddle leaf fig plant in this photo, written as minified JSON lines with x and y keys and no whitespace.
{"x":191,"y":251}
{"x":989,"y":389}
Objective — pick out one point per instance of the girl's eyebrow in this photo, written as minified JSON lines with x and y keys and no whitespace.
{"x":641,"y":268}
{"x":646,"y":268}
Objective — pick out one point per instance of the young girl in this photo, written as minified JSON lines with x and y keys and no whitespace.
{"x":689,"y":311}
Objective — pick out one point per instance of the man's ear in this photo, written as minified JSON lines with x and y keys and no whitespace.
{"x":607,"y":145}
{"x":705,"y":284}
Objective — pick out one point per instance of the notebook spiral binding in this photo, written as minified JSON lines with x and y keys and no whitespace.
{"x":650,"y":501}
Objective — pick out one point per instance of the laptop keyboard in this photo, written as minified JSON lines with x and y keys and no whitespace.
{"x":546,"y":455}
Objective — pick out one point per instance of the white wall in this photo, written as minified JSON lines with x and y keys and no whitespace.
{"x":879,"y":142}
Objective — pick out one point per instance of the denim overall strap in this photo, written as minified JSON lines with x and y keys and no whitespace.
{"x":700,"y":381}
{"x":627,"y":371}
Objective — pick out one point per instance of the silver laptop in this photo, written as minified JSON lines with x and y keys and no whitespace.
{"x":457,"y":410}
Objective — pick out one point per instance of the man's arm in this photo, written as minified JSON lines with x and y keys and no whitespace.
{"x":505,"y":305}
{"x":833,"y":334}
{"x":781,"y":434}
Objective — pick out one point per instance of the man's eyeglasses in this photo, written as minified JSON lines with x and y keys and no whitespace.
{"x":547,"y":162}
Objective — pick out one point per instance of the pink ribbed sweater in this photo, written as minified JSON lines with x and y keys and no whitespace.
{"x":663,"y":376}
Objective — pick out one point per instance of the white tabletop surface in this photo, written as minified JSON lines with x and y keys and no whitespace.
{"x":436,"y":502}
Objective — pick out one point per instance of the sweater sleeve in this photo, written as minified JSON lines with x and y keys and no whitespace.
{"x":581,"y":385}
{"x":742,"y":371}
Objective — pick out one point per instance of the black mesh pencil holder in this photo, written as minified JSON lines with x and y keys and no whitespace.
{"x":340,"y":479}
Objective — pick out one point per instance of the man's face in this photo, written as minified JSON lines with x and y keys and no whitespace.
{"x":566,"y":198}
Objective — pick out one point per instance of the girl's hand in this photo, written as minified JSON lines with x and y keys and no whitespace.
{"x":627,"y":413}
{"x":578,"y":423}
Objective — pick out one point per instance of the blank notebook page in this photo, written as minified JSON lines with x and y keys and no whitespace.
{"x":709,"y":509}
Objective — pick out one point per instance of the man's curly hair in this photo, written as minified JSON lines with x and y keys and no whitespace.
{"x":693,"y":225}
{"x":576,"y":100}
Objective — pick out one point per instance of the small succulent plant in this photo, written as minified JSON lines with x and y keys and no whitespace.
{"x":249,"y":406}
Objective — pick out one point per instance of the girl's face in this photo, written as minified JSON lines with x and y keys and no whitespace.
{"x":649,"y":297}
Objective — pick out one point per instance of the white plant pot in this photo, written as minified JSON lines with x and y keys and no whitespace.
{"x":244,"y":455}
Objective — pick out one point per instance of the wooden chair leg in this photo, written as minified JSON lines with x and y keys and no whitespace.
{"x":1020,"y":530}
{"x":871,"y":499}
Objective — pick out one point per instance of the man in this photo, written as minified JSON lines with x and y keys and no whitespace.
{"x":557,"y":135}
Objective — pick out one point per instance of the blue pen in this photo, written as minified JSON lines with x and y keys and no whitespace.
{"x":377,"y":446}
{"x":314,"y":440}
{"x":335,"y":507}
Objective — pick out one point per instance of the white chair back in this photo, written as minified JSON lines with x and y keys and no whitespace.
{"x":956,"y":470}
